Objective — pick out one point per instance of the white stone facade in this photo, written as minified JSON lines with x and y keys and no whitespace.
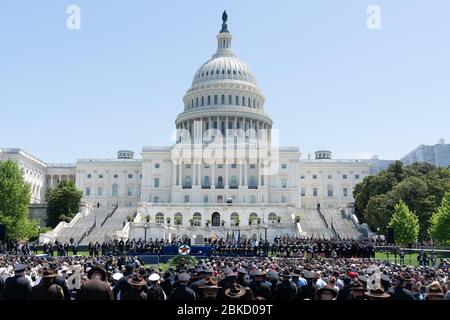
{"x":223,"y":102}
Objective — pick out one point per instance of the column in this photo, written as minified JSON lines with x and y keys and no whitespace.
{"x":180,"y":176}
{"x":226,"y":174}
{"x":194,"y":176}
{"x":240,"y":172}
{"x":235,"y":126}
{"x":174,"y":174}
{"x":213,"y":178}
{"x":200,"y":173}
{"x":51,"y":181}
{"x":245,"y":173}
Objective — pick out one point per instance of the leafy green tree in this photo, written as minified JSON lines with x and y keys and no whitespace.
{"x":440,"y":222}
{"x":421,"y":186}
{"x":15,"y":197}
{"x":63,"y":202}
{"x":405,"y":224}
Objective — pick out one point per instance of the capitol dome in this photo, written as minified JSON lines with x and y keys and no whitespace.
{"x":224,"y":93}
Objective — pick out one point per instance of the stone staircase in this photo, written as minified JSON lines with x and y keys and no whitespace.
{"x":344,"y":227}
{"x":312,"y":224}
{"x":111,"y":225}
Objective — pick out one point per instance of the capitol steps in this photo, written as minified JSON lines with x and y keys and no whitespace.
{"x":312,"y":224}
{"x":112,"y":224}
{"x":344,"y":227}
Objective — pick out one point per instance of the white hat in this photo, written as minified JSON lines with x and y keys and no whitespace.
{"x":154,"y":277}
{"x":117,"y":276}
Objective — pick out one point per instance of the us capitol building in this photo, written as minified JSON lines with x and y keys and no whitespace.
{"x":224,"y":175}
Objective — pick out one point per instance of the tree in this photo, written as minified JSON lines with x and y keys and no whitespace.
{"x":405,"y":224}
{"x":15,"y":196}
{"x":63,"y":203}
{"x":440,"y":222}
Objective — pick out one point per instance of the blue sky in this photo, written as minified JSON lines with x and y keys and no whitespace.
{"x":118,"y":82}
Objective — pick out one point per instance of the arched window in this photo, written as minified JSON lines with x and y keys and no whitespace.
{"x":243,"y":101}
{"x":215,"y":99}
{"x":254,"y":103}
{"x":187,"y":182}
{"x":196,"y":102}
{"x":197,"y":219}
{"x":272,"y":217}
{"x":234,"y":219}
{"x":249,"y":105}
{"x":203,"y":100}
{"x":178,"y":219}
{"x":209,"y":100}
{"x":230,"y":99}
{"x":223,"y":99}
{"x":253,"y":215}
{"x":115,"y":190}
{"x":206,"y":182}
{"x":198,"y":239}
{"x":237,"y":100}
{"x":159,"y":218}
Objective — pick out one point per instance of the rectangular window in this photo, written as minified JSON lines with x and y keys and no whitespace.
{"x":188,"y":166}
{"x":99,"y":191}
{"x":314,"y":192}
{"x":314,"y":176}
{"x":88,"y":191}
{"x":233,"y":166}
{"x":130,"y":191}
{"x":205,"y":198}
{"x":115,"y":176}
{"x":330,"y":191}
{"x":237,"y":100}
{"x":156,"y":183}
{"x":284,"y":183}
{"x":302,"y":192}
{"x":156,"y":199}
{"x":283,"y":199}
{"x":345,"y":192}
{"x":220,"y":166}
{"x":156,"y":165}
{"x":252,"y":166}
{"x":100,"y":176}
{"x":130,"y":176}
{"x":357,"y":176}
{"x":186,"y":199}
{"x":344,"y":176}
{"x":252,"y":199}
{"x":89,"y":175}
{"x":283,"y":166}
{"x":302,"y":177}
{"x":219,"y":199}
{"x":252,"y":181}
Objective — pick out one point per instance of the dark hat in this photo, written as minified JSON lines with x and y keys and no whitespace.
{"x":210,"y":283}
{"x":362,"y":278}
{"x":273,"y":275}
{"x":20,"y":267}
{"x":258,"y":273}
{"x":129,"y":267}
{"x":137,"y":280}
{"x":97,"y":269}
{"x":347,"y":281}
{"x":235,"y":291}
{"x":327,"y":289}
{"x":49,"y":273}
{"x":285,"y":274}
{"x":229,"y":273}
{"x":184,"y":277}
{"x":242,"y":270}
{"x":377,"y":293}
{"x":358,"y":286}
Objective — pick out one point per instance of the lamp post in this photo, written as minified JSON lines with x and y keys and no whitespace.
{"x":145,"y":231}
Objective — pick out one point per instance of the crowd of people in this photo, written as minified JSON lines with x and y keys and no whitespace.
{"x":219,"y":278}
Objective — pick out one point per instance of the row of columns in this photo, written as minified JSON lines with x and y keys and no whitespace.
{"x":196,"y":178}
{"x":198,"y":127}
{"x":59,"y":178}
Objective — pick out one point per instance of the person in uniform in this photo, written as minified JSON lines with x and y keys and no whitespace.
{"x":17,"y":287}
{"x":259,"y":287}
{"x":203,"y":274}
{"x":155,"y":291}
{"x":285,"y":290}
{"x":96,"y":288}
{"x":137,"y":283}
{"x":47,"y":289}
{"x":181,"y":291}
